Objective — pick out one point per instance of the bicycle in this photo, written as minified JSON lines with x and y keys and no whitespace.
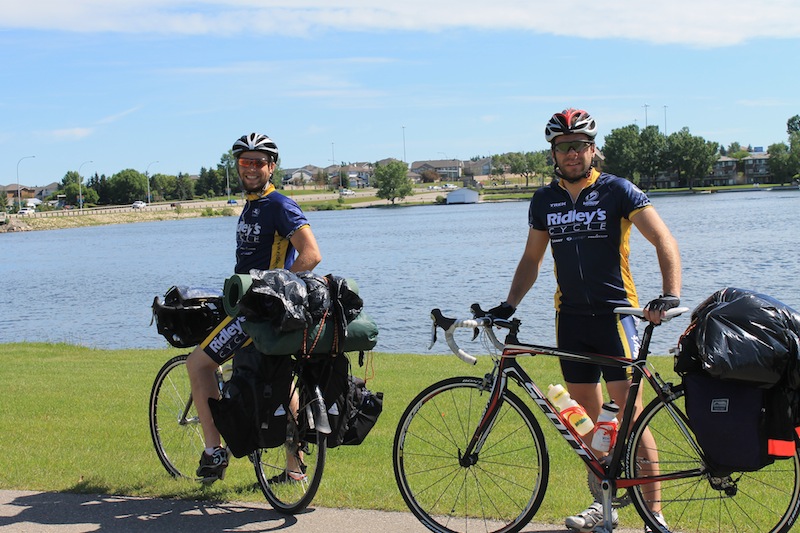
{"x":178,"y":438}
{"x":469,"y":455}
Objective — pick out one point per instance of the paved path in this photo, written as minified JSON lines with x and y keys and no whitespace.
{"x":47,"y":512}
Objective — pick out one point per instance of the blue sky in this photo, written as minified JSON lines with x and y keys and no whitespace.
{"x":168,"y":85}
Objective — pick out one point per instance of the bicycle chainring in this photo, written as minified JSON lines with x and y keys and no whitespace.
{"x":617,"y":501}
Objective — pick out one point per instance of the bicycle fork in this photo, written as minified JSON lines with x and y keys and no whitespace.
{"x":469,"y":457}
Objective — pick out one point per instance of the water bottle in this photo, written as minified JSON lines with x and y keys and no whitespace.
{"x":605,"y":434}
{"x":571,"y":410}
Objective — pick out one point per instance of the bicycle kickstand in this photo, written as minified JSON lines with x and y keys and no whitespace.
{"x":608,"y":490}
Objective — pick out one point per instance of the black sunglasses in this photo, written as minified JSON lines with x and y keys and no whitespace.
{"x":578,"y":146}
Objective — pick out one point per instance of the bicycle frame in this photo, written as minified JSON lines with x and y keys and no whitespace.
{"x":609,"y":472}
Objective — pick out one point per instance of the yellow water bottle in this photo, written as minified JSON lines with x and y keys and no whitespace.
{"x":570,"y":410}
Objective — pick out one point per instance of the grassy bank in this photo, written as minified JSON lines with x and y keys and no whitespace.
{"x":75,"y":420}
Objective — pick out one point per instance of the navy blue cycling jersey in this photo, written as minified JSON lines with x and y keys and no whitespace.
{"x":589,"y":239}
{"x":265,"y":228}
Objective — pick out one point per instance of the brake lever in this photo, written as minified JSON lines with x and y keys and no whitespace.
{"x":433,"y":335}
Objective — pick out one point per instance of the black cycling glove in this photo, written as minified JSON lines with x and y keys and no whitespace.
{"x":663,"y":303}
{"x":504,"y":311}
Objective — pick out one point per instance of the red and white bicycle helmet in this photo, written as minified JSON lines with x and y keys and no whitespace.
{"x":255,"y":142}
{"x":570,"y":121}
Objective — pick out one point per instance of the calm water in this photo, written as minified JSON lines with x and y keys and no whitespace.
{"x":94,"y":286}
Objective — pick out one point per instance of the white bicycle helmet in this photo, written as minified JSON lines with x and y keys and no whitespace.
{"x":255,"y":142}
{"x":570,"y":121}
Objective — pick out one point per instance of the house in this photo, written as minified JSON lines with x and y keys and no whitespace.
{"x":447,"y":169}
{"x":462,"y":196}
{"x":300,"y":176}
{"x":42,"y":193}
{"x":756,"y":168}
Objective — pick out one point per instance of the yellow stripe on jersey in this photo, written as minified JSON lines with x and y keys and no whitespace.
{"x":280,"y":246}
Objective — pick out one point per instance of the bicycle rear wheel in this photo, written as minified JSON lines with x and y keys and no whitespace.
{"x":692,"y":500}
{"x":304,"y":446}
{"x":174,"y":425}
{"x":498,"y":491}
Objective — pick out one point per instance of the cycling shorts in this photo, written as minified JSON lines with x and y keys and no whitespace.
{"x":601,"y":334}
{"x":226,"y":338}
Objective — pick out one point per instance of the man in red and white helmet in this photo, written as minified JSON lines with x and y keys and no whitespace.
{"x":272,"y":232}
{"x":585,"y":216}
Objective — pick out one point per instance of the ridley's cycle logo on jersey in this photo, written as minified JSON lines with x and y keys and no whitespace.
{"x":249,"y":232}
{"x":574,"y":221}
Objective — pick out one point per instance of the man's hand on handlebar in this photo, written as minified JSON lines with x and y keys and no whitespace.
{"x":657,"y":309}
{"x":504,"y":311}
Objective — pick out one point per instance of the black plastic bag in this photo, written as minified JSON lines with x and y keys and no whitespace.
{"x":743,"y":335}
{"x":276,"y":296}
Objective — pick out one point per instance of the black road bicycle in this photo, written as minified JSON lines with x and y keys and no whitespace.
{"x":469,"y":455}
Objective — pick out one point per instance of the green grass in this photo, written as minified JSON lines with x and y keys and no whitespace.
{"x":75,"y":419}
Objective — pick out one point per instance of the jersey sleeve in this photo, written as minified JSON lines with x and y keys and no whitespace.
{"x":290,"y":218}
{"x":633,"y":199}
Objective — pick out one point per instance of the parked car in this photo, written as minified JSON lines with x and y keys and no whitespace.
{"x":26,"y":211}
{"x":138,"y":204}
{"x":347,"y":192}
{"x":449,"y":186}
{"x":232,"y":202}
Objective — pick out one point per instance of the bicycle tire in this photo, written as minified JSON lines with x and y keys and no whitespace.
{"x":501,"y":491}
{"x":288,"y":496}
{"x":767,"y":500}
{"x":174,"y":425}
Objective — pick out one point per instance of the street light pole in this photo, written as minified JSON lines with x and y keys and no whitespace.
{"x":80,"y":192}
{"x":19,"y":190}
{"x":147,"y":175}
{"x":404,"y":144}
{"x":665,"y":121}
{"x":645,"y":114}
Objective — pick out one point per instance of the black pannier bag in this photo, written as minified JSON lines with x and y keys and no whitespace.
{"x":254,"y":409}
{"x":728,"y":420}
{"x":353,"y":410}
{"x":739,"y":363}
{"x":188,"y":314}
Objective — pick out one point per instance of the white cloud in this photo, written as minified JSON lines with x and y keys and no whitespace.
{"x":72,"y":134}
{"x":709,"y":23}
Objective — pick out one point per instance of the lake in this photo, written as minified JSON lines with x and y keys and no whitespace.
{"x":94,"y":286}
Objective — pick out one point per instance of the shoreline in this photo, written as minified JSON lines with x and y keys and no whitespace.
{"x":157,"y":212}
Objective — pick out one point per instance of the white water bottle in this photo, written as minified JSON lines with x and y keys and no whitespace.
{"x":571,"y":410}
{"x":605,"y":434}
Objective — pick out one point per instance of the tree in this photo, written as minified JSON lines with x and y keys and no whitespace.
{"x":126,"y":186}
{"x":430,"y":175}
{"x":691,"y":157}
{"x":651,"y":160}
{"x":779,"y":163}
{"x":184,"y":187}
{"x":793,"y":125}
{"x":164,"y":187}
{"x":622,"y":151}
{"x":392,"y":181}
{"x":527,"y":164}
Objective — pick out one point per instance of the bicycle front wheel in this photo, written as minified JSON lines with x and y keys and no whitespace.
{"x":288,"y":490}
{"x":174,"y":425}
{"x":497,"y":490}
{"x":691,"y":499}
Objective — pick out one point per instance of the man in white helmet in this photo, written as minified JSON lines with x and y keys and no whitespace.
{"x":585,"y":216}
{"x":272,"y":232}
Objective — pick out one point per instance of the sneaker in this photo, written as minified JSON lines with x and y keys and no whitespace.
{"x":660,"y":519}
{"x":212,"y":467}
{"x":288,"y":476}
{"x":590,"y":518}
